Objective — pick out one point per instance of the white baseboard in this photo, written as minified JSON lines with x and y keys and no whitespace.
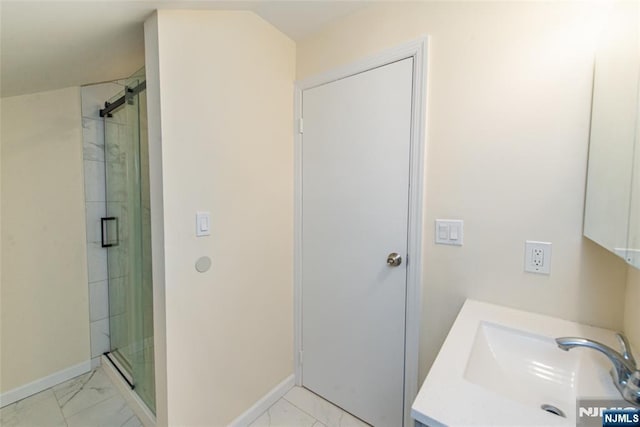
{"x":41,"y":384}
{"x":95,"y":362}
{"x":264,"y":403}
{"x":144,"y":414}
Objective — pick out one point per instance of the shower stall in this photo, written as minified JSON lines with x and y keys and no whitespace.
{"x":126,"y":235}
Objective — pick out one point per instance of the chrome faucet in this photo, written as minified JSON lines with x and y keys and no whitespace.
{"x":625,"y":373}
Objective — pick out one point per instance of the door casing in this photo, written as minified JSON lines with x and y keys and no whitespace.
{"x":416,"y":49}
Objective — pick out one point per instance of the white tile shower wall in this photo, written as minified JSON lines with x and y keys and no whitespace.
{"x":93,"y":98}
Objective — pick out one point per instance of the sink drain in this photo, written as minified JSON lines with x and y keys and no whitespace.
{"x":553,"y":410}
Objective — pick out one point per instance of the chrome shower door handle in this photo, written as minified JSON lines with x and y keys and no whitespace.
{"x":394,"y":260}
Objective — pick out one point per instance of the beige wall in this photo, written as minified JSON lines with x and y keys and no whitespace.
{"x":45,"y":315}
{"x":508,"y":103}
{"x":225,"y":82}
{"x":631,"y":311}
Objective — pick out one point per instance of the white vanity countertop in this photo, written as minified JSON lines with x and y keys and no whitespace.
{"x":448,"y":397}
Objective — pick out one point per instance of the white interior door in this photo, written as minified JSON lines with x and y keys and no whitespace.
{"x":355,"y":199}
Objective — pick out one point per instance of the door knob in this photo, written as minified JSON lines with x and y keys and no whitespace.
{"x":394,"y":260}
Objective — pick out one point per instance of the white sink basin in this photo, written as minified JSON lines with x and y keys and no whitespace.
{"x":502,"y":367}
{"x":524,"y":367}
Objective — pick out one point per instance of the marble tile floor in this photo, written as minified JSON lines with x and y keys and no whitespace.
{"x":302,"y":408}
{"x":89,"y":400}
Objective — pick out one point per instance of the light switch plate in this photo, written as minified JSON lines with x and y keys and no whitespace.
{"x":203,"y":224}
{"x":449,"y":232}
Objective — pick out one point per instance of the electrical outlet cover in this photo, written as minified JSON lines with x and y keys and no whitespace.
{"x":537,"y":257}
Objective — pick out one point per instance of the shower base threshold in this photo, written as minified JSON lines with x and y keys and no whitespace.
{"x":142,"y":411}
{"x":122,"y":370}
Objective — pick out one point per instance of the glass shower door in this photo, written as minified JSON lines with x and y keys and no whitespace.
{"x":127,"y":235}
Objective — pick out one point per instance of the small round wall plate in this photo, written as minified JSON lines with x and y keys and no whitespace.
{"x":203,"y":264}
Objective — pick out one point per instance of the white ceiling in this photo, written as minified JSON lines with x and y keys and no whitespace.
{"x":52,"y":44}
